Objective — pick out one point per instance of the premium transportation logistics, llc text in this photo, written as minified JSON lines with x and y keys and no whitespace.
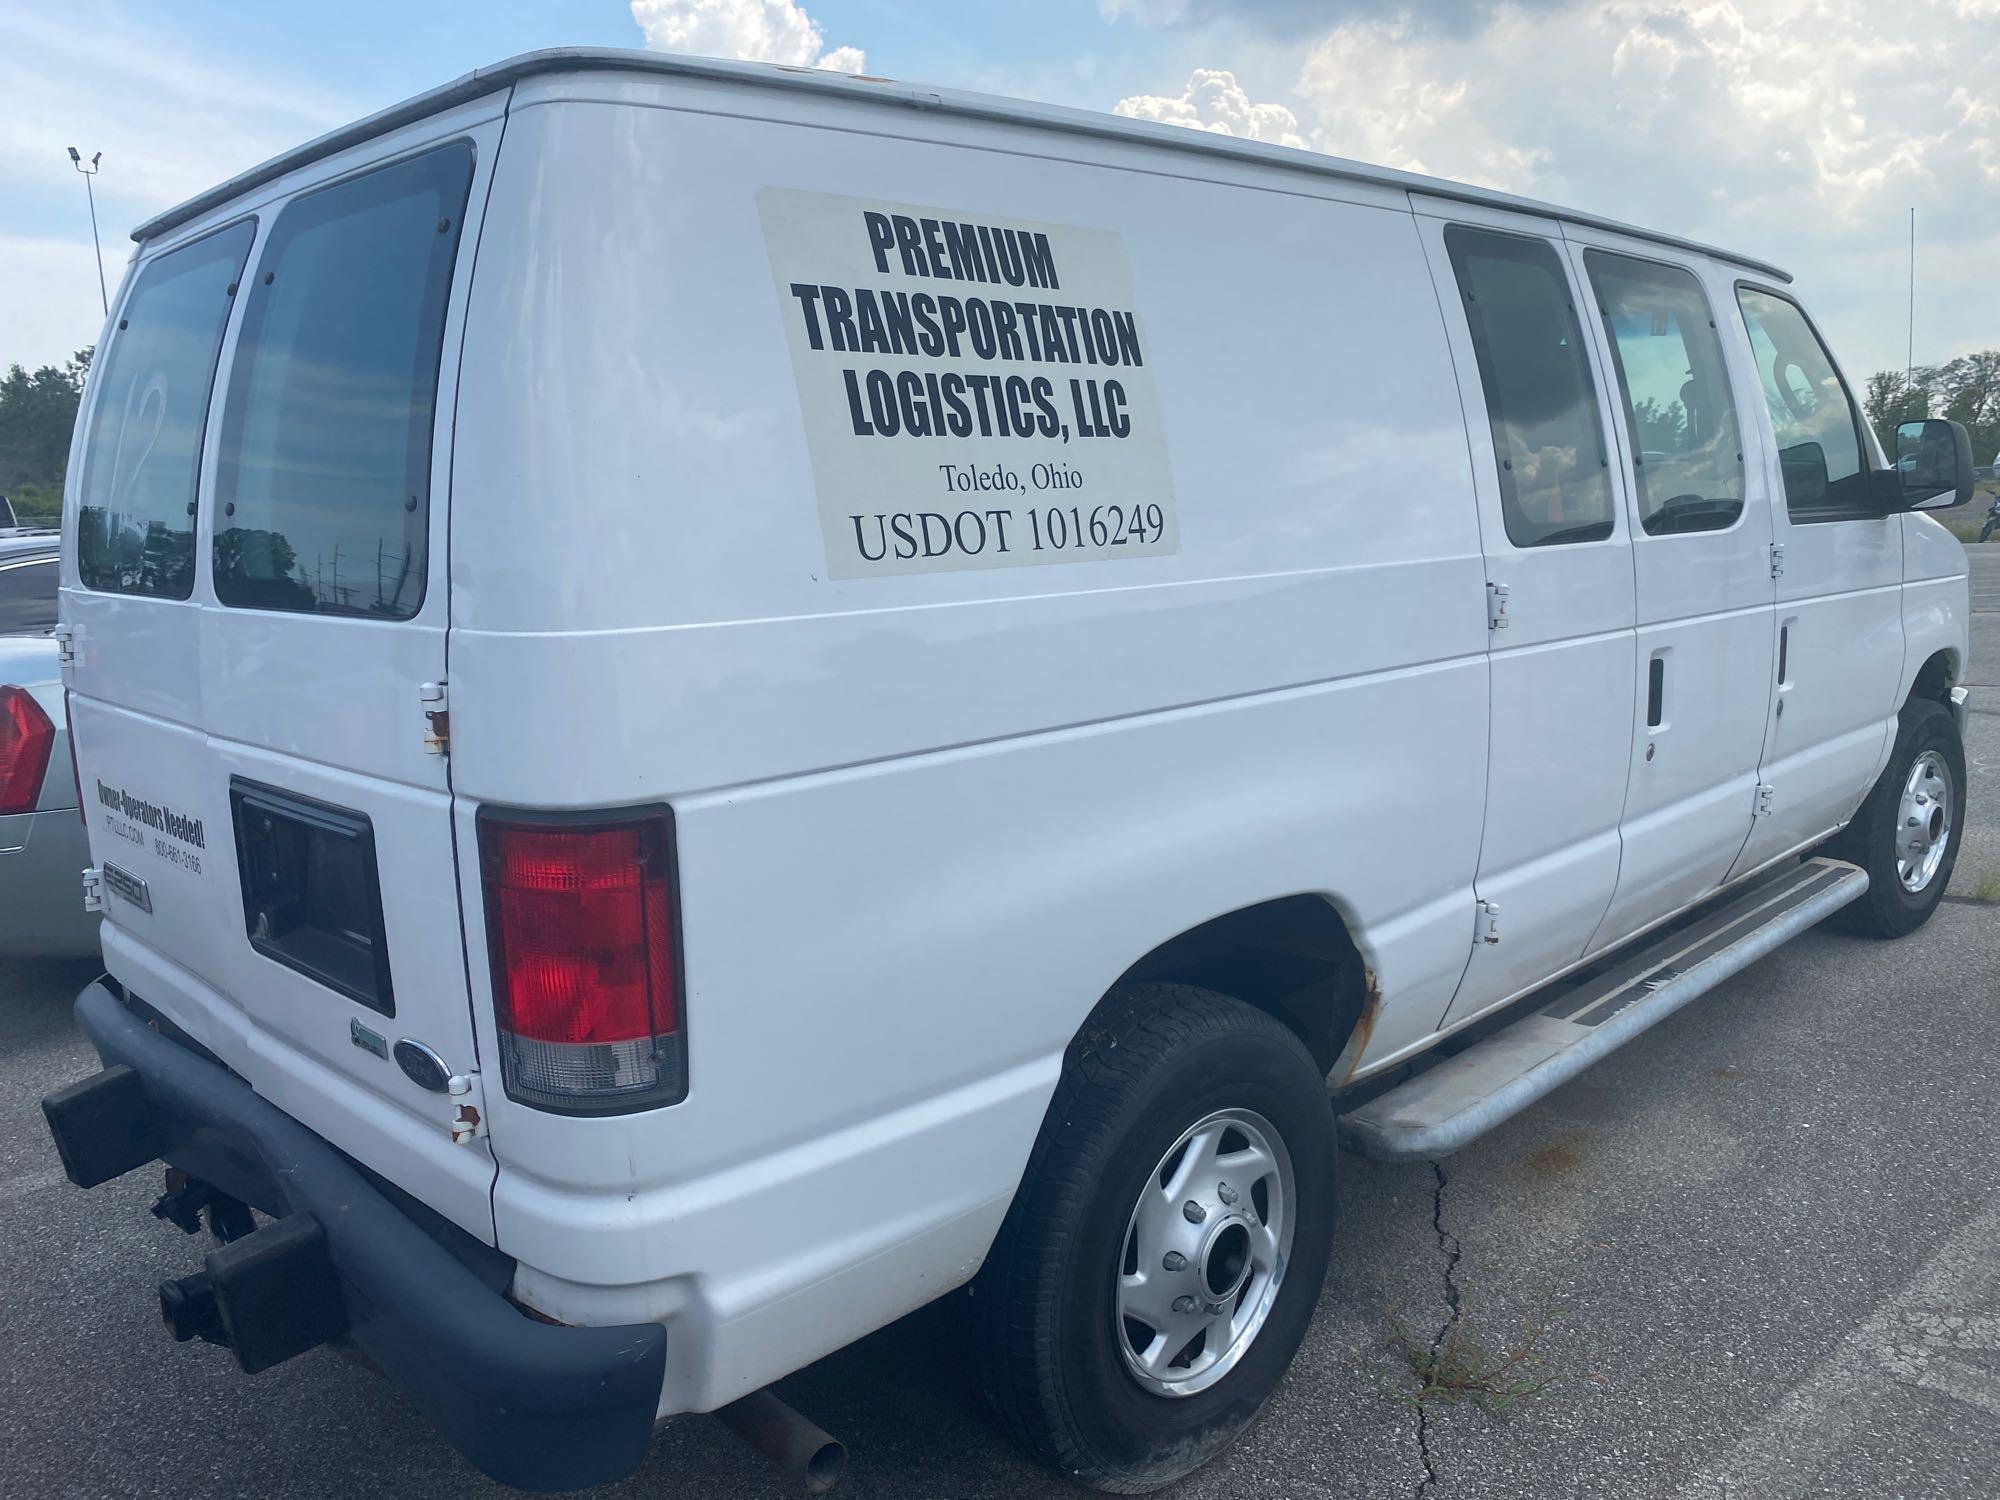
{"x":908,"y":381}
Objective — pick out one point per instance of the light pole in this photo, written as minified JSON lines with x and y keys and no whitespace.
{"x":76,"y":160}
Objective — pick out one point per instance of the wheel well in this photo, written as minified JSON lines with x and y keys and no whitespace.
{"x":1292,"y":957}
{"x":1936,"y":677}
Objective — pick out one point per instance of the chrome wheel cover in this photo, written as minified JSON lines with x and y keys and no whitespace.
{"x":1204,"y":1253}
{"x":1923,"y":821}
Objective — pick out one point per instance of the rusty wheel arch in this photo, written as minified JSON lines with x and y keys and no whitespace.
{"x":1293,"y":957}
{"x":1937,"y":677}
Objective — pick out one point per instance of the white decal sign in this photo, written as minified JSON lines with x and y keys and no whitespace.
{"x":977,"y":391}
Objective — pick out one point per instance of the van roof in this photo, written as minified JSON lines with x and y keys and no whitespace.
{"x":485,"y":80}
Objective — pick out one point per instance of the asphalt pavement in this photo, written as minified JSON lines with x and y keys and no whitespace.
{"x":1760,"y":1243}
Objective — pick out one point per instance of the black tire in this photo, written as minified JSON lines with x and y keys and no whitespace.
{"x":1890,"y":910}
{"x":1154,"y":1060}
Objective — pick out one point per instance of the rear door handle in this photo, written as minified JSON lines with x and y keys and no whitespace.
{"x":1656,"y":692}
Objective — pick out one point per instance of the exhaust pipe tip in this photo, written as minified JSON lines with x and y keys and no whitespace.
{"x":826,"y":1467}
{"x":799,"y":1447}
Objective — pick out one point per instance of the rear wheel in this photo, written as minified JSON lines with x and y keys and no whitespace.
{"x":1907,"y":832}
{"x":1163,"y":1256}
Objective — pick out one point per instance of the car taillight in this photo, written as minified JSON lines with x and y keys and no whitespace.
{"x":26,"y":737}
{"x":580,"y":925}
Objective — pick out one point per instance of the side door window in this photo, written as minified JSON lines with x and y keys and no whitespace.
{"x":1816,"y":422}
{"x":324,"y":480}
{"x":1540,"y":405}
{"x":1687,"y":451}
{"x":135,"y":512}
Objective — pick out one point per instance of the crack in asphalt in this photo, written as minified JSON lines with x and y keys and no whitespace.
{"x":1450,"y":1247}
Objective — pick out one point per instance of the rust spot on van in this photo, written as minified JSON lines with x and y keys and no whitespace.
{"x":1364,"y":1026}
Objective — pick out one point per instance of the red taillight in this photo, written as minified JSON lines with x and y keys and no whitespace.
{"x":26,"y":737}
{"x":580,"y":926}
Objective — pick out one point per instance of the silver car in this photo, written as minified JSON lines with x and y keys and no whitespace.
{"x":42,"y":845}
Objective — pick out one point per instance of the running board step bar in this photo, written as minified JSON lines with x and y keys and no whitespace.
{"x":1460,"y":1099}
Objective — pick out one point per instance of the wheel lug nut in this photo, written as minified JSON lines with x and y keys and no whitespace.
{"x":1193,"y":1211}
{"x":1225,"y":1192}
{"x":1184,"y":1304}
{"x":1175,"y":1261}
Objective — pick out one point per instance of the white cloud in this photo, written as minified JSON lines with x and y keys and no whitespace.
{"x":1800,"y":131}
{"x":169,"y":122}
{"x":48,"y":297}
{"x":1215,"y":101}
{"x":775,"y":31}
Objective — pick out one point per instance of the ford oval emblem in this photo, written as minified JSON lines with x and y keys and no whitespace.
{"x":422,"y":1066}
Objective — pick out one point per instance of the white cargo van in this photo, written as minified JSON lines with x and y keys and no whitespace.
{"x":715,"y":700}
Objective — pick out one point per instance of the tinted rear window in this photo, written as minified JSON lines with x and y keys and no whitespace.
{"x":324,"y":479}
{"x":27,"y":595}
{"x":1541,"y":403}
{"x":135,"y":516}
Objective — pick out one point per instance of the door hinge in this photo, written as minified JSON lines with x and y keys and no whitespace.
{"x":1488,"y":929}
{"x":1777,"y":559}
{"x":468,"y":1107}
{"x":1765,"y":792}
{"x":1496,"y":606}
{"x":66,"y":636}
{"x":437,"y":718}
{"x":93,"y":889}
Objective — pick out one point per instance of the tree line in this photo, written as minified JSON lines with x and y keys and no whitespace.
{"x":38,"y":409}
{"x":37,"y":412}
{"x":1965,"y":390}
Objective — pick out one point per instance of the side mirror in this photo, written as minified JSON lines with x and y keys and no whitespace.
{"x":1933,"y":465}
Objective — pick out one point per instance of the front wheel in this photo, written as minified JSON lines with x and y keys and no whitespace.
{"x":1907,"y":832}
{"x":1162,"y":1259}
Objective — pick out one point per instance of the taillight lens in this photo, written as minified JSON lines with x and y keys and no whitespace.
{"x":26,"y":738}
{"x":580,"y":925}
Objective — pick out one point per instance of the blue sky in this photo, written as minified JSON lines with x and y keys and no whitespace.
{"x":1797,"y":130}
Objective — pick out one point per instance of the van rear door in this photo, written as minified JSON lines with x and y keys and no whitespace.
{"x":256,"y":580}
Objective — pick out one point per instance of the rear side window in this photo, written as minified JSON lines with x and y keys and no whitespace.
{"x":28,"y":596}
{"x":135,"y":515}
{"x":1540,"y":403}
{"x":1687,"y":455}
{"x":1818,"y":429}
{"x":324,"y":478}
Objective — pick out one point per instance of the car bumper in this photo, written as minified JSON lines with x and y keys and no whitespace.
{"x":532,"y":1404}
{"x":42,"y":855}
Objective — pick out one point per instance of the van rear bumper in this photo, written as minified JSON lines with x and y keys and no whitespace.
{"x":535,"y":1405}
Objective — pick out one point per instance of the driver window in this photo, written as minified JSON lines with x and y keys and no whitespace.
{"x":1818,"y":431}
